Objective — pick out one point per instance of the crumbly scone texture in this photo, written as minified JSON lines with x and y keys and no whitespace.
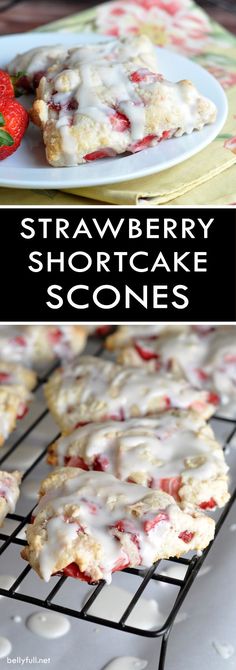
{"x":16,"y":384}
{"x":98,"y":524}
{"x":9,"y":492}
{"x":109,"y":98}
{"x":125,"y":335}
{"x":207,"y":358}
{"x":92,"y":389}
{"x":174,"y":451}
{"x":36,"y":345}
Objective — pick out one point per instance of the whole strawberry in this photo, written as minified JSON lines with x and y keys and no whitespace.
{"x":6,"y":85}
{"x":14,"y":120}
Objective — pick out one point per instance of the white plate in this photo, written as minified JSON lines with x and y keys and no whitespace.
{"x":27,"y":168}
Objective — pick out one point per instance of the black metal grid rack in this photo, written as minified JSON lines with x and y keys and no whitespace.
{"x":193,"y":564}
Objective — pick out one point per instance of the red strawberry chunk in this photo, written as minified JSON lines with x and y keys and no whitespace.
{"x":100,"y":153}
{"x":145,"y":354}
{"x":126,"y":526}
{"x":213,"y":398}
{"x":121,"y":563}
{"x":103,"y":330}
{"x":119,"y":122}
{"x":152,"y":523}
{"x":76,"y":462}
{"x":4,"y":377}
{"x":19,"y":341}
{"x":72,"y":570}
{"x":209,"y":504}
{"x":55,"y":335}
{"x":201,"y":374}
{"x":171,"y":485}
{"x":23,"y":410}
{"x":186,"y":536}
{"x":80,"y":423}
{"x":100,"y":463}
{"x":145,"y":75}
{"x":142,"y":144}
{"x":72,"y":104}
{"x":167,"y":402}
{"x":55,"y":106}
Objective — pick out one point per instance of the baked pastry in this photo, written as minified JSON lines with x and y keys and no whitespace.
{"x":92,"y":389}
{"x":89,"y":525}
{"x":35,"y":345}
{"x":9,"y":492}
{"x":31,"y":65}
{"x":107,"y":99}
{"x":125,"y":335}
{"x":16,"y":382}
{"x":174,"y":451}
{"x":207,"y":358}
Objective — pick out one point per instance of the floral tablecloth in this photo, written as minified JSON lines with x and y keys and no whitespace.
{"x":205,"y":179}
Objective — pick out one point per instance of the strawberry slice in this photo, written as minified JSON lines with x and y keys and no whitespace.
{"x":55,"y":335}
{"x":171,"y":485}
{"x":119,"y":122}
{"x":142,"y":144}
{"x":152,"y":523}
{"x":72,"y":570}
{"x":23,"y":410}
{"x":100,"y":153}
{"x":100,"y":463}
{"x":4,"y":377}
{"x":80,"y":424}
{"x":202,"y":375}
{"x":208,"y":504}
{"x":213,"y":398}
{"x":19,"y":341}
{"x":103,"y":330}
{"x":186,"y":536}
{"x":75,"y":462}
{"x":145,"y":354}
{"x":126,"y":526}
{"x":121,"y":563}
{"x":144,"y":75}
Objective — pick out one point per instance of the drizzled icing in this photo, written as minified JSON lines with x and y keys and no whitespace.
{"x":148,"y":449}
{"x":37,"y":59}
{"x":92,"y":389}
{"x":208,"y":360}
{"x":105,"y":525}
{"x":28,"y":344}
{"x":9,"y":492}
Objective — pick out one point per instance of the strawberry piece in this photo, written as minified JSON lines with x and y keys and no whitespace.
{"x":23,"y":410}
{"x":76,"y":462}
{"x":119,"y":122}
{"x":126,"y":526}
{"x":209,"y":504}
{"x":142,"y":144}
{"x":165,"y":135}
{"x":55,"y":106}
{"x":201,"y":374}
{"x":14,"y":120}
{"x":167,"y":402}
{"x":186,"y":536}
{"x":100,"y":153}
{"x":72,"y":570}
{"x":152,"y":523}
{"x":145,"y":75}
{"x":171,"y":485}
{"x":103,"y":330}
{"x":121,"y":563}
{"x":145,"y":354}
{"x":19,"y":341}
{"x":100,"y":463}
{"x":6,"y":85}
{"x":55,"y":335}
{"x":81,"y":423}
{"x":73,"y":104}
{"x":36,"y":78}
{"x":213,"y":398}
{"x":4,"y":377}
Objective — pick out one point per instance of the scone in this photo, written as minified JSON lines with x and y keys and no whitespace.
{"x":108,"y":99}
{"x":89,"y":525}
{"x":16,"y":382}
{"x":92,"y":389}
{"x":174,"y":451}
{"x":38,"y":345}
{"x":207,"y":358}
{"x":34,"y":63}
{"x":9,"y":492}
{"x":125,"y":335}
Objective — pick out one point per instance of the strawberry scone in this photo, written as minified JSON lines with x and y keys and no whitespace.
{"x":89,"y":525}
{"x":174,"y":451}
{"x":9,"y":492}
{"x":16,"y":382}
{"x":207,"y":358}
{"x":92,"y":389}
{"x":108,"y":98}
{"x":35,"y":345}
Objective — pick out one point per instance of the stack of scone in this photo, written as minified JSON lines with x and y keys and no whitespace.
{"x":138,"y":464}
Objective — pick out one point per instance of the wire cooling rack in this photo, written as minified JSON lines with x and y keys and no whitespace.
{"x":28,"y":429}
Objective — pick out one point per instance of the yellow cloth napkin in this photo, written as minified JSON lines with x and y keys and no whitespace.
{"x":208,"y":178}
